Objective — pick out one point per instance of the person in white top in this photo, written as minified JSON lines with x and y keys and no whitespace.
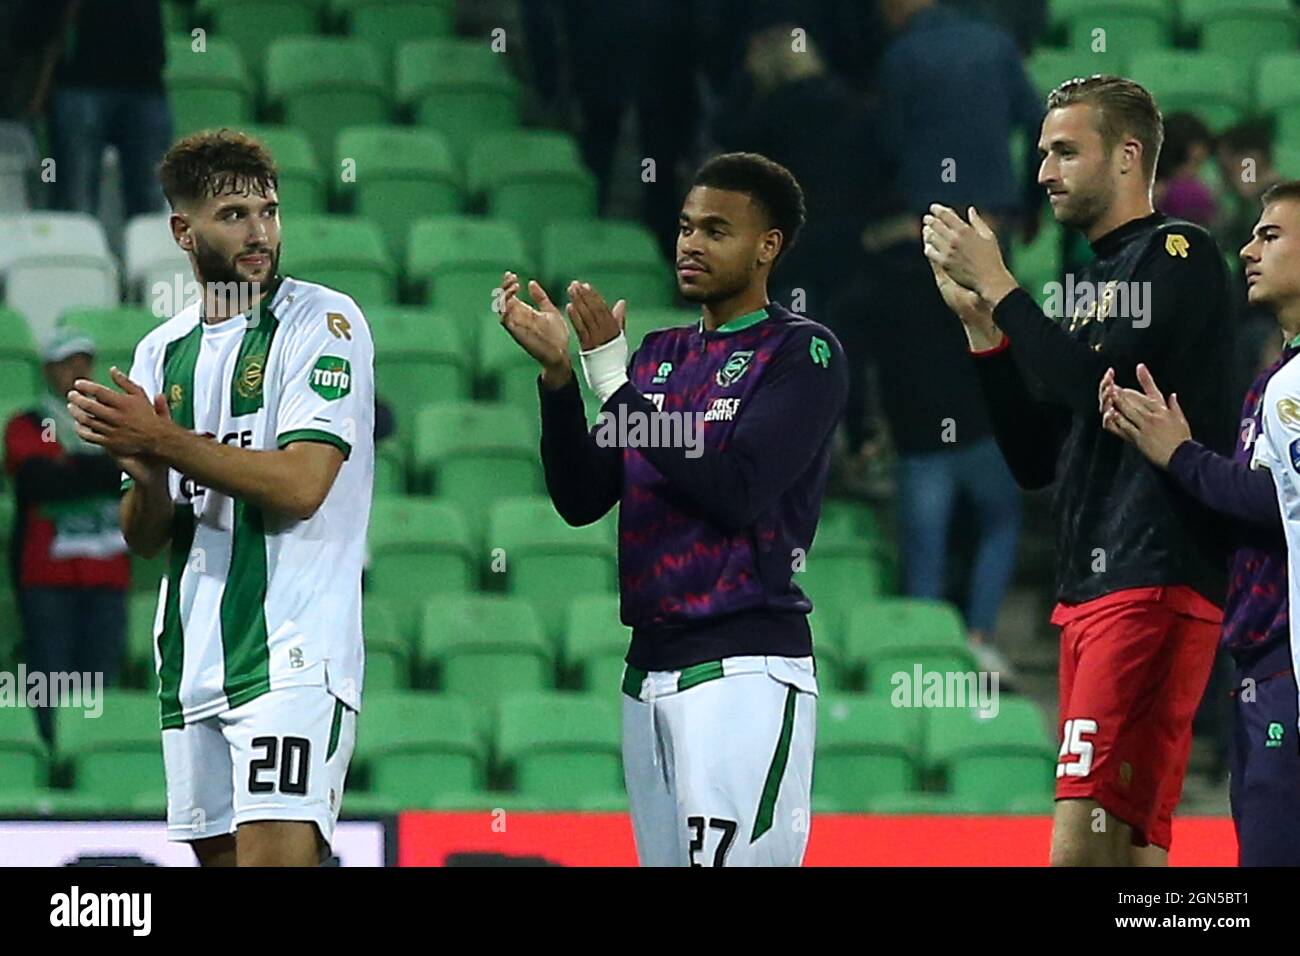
{"x":1277,"y":447}
{"x":245,"y":434}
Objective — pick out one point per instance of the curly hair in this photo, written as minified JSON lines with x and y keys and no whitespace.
{"x":211,"y":162}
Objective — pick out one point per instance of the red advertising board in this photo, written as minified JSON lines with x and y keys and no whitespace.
{"x":605,"y":839}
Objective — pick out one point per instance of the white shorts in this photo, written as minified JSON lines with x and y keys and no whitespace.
{"x":718,"y":761}
{"x":281,"y":756}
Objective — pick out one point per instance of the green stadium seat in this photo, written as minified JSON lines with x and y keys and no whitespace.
{"x":1279,"y":95}
{"x":894,"y":635}
{"x":421,"y":354}
{"x":11,"y":633}
{"x":549,"y":562}
{"x":532,"y":178}
{"x":24,"y":762}
{"x":995,"y":759}
{"x":1038,"y":804}
{"x":455,"y":262}
{"x":207,"y":88}
{"x":300,"y":185}
{"x":481,"y":647}
{"x":843,"y":516}
{"x":865,"y":747}
{"x":1048,"y":68}
{"x":1129,"y":26}
{"x":401,"y":174}
{"x":561,"y":746}
{"x":640,"y":322}
{"x":176,"y":18}
{"x":839,"y":571}
{"x":620,"y":259}
{"x":58,"y":804}
{"x":323,"y":84}
{"x":358,"y":804}
{"x":612,"y":801}
{"x":387,"y":24}
{"x":388,"y":649}
{"x":917,"y":802}
{"x":461,"y":88}
{"x":117,"y":755}
{"x":828,"y":662}
{"x":509,"y":372}
{"x":415,"y":746}
{"x":474,"y":453}
{"x":1244,"y":29}
{"x":139,"y":669}
{"x":116,"y":333}
{"x":1215,"y":88}
{"x":390,"y":467}
{"x":345,"y":253}
{"x":1038,"y":263}
{"x":595,"y":643}
{"x":252,"y":25}
{"x":417,"y":547}
{"x":489,"y":801}
{"x":1286,"y":156}
{"x":20,"y":366}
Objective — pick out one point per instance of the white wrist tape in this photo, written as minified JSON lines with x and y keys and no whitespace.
{"x":605,"y":367}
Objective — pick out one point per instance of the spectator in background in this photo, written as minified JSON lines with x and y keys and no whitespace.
{"x":795,"y":112}
{"x":946,"y":455}
{"x":1179,"y":191}
{"x":1026,"y":20}
{"x":1244,"y":154}
{"x":68,"y":561}
{"x":633,"y":56}
{"x":106,"y":88}
{"x":953,"y":90}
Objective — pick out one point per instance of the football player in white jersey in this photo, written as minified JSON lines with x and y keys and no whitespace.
{"x":245,"y":434}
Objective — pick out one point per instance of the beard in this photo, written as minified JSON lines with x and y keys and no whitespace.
{"x":1086,"y":206}
{"x":215,"y":268}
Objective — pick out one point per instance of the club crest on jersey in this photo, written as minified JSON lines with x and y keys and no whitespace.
{"x":733,"y":370}
{"x":248,"y":379}
{"x":1288,"y":412}
{"x":1294,"y":449}
{"x":331,"y":377}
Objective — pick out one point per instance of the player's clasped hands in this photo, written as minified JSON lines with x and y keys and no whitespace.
{"x":1144,"y":419}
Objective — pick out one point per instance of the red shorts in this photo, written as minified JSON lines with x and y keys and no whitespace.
{"x":1134,"y":665}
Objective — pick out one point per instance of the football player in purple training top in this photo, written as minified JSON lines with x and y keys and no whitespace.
{"x":715,"y":439}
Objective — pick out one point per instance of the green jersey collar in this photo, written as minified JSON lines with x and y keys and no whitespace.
{"x":738,"y":323}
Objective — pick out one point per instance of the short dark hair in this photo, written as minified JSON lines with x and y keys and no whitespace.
{"x":1251,"y":138}
{"x":769,"y":184}
{"x":208,"y":163}
{"x":1287,"y":189}
{"x":1125,"y":108}
{"x":1182,"y":132}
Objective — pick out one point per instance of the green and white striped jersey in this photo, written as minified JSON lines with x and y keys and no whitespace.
{"x":255,"y":600}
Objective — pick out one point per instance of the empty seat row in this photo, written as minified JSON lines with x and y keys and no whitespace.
{"x":418,"y":748}
{"x":1228,"y":27}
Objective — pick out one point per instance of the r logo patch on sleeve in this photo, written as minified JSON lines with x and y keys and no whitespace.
{"x":820,"y":351}
{"x":331,"y":377}
{"x":1176,"y":245}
